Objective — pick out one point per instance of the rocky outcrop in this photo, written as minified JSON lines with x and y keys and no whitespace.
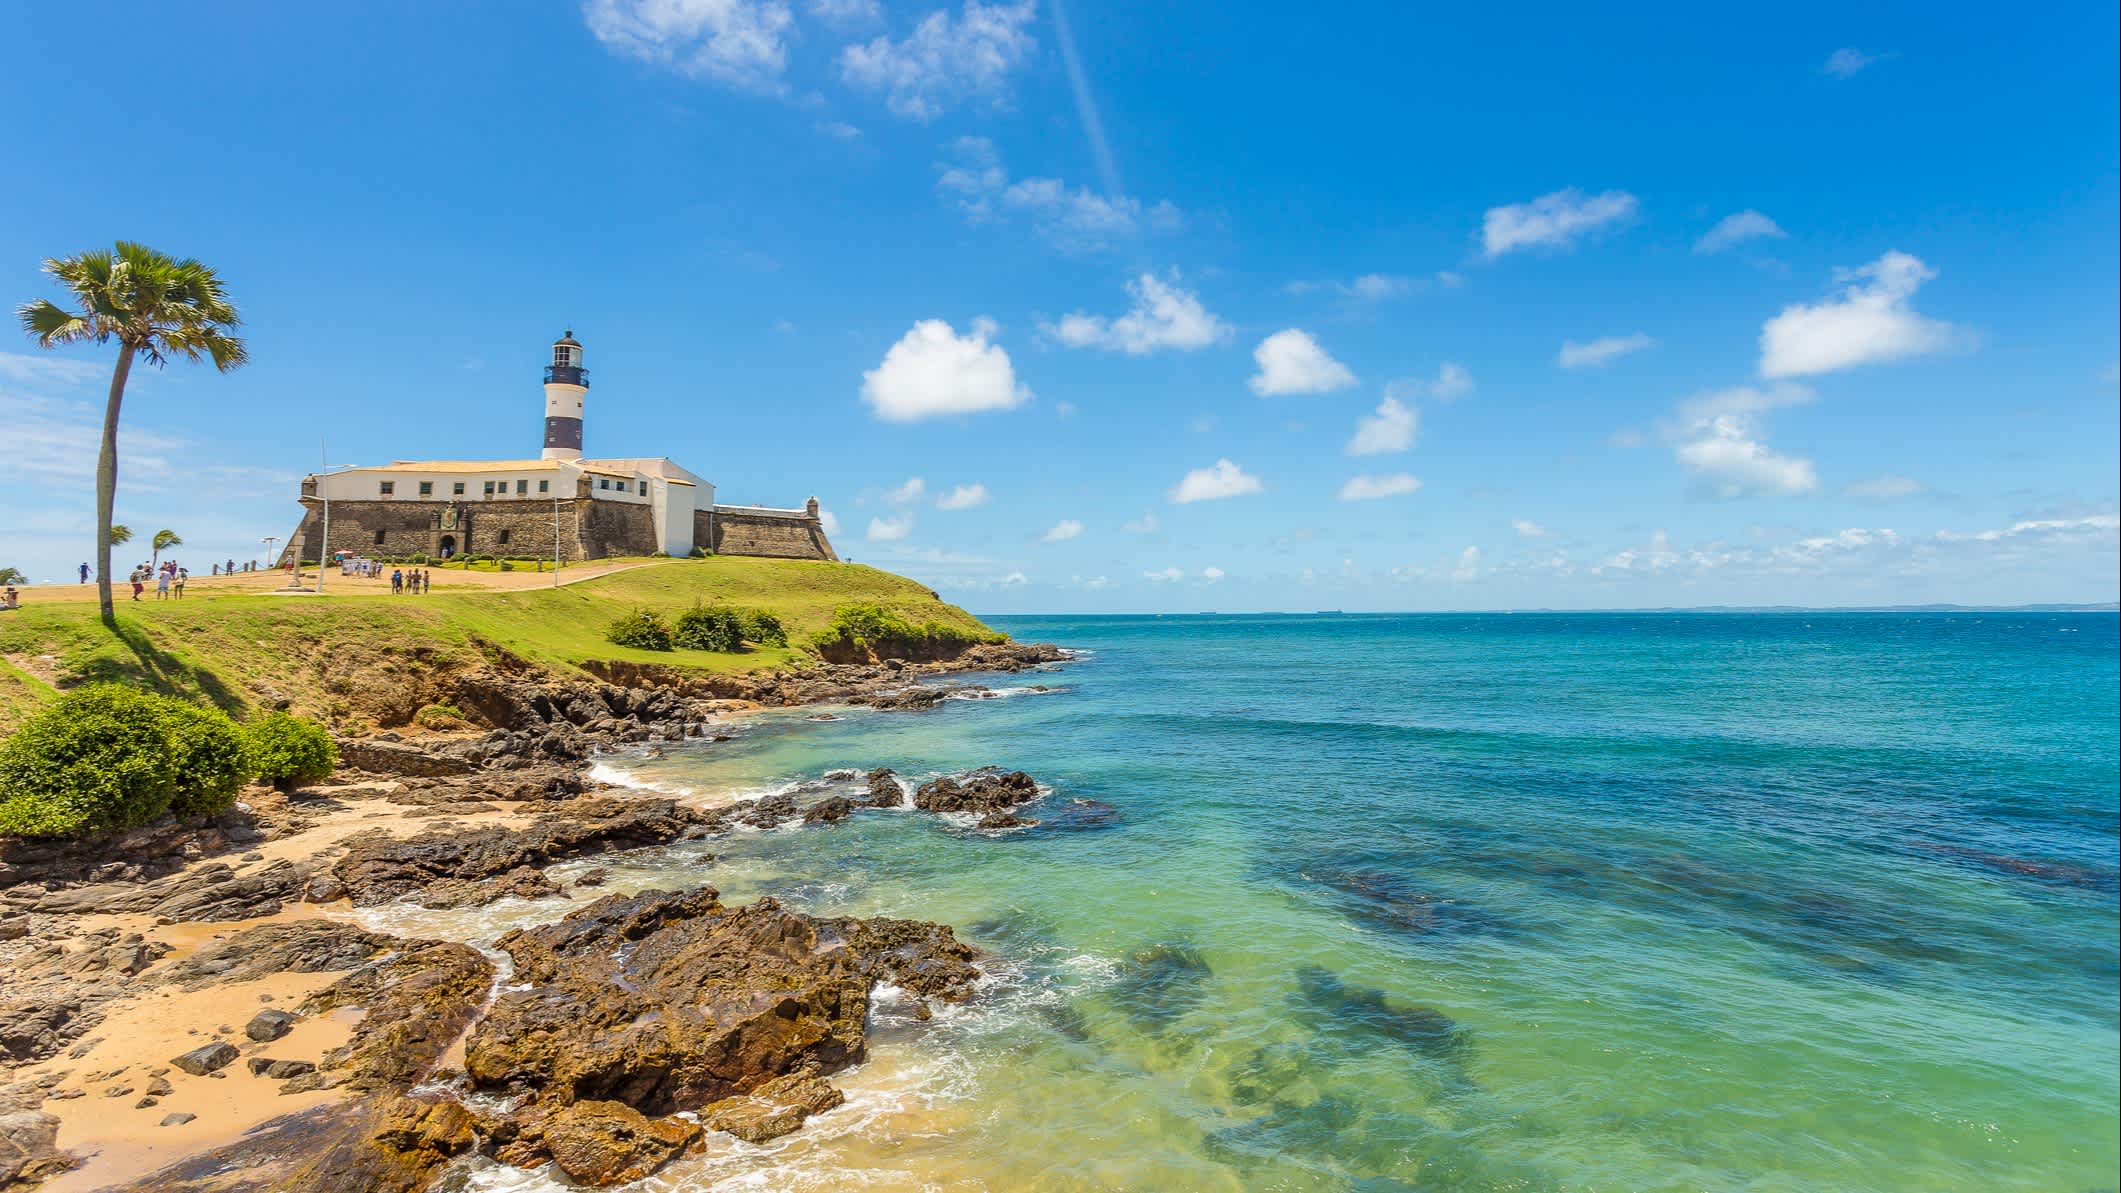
{"x":774,"y":1108}
{"x":417,"y":1000}
{"x":378,"y":868}
{"x":610,"y":1143}
{"x":29,"y":1139}
{"x":984,"y":791}
{"x":383,"y":757}
{"x":304,"y":946}
{"x":211,"y":892}
{"x":149,"y":851}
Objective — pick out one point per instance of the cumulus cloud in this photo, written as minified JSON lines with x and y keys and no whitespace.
{"x":1167,"y":575}
{"x":1146,"y":524}
{"x":1452,"y":383}
{"x":1552,"y":221}
{"x":1468,"y":568}
{"x":1737,"y":228}
{"x":1291,"y":362}
{"x":1062,"y":531}
{"x":908,"y":493}
{"x":1884,"y":488}
{"x":1871,"y":322}
{"x":743,"y":43}
{"x":945,"y":60}
{"x":1528,"y":529}
{"x":829,"y":521}
{"x":891,"y":529}
{"x":55,"y":370}
{"x":1370,"y":488}
{"x":1845,"y":62}
{"x":1163,"y":316}
{"x":963,"y":497}
{"x":1717,"y":438}
{"x":932,"y":371}
{"x":1073,"y":219}
{"x":1604,"y":350}
{"x":1211,"y":574}
{"x":1224,"y":479}
{"x":1391,"y":429}
{"x":845,"y":14}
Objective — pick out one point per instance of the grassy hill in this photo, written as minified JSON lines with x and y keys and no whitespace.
{"x":343,"y":657}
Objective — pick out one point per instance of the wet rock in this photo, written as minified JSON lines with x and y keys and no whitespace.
{"x":205,"y":1059}
{"x":610,"y":1143}
{"x":595,"y":876}
{"x":377,"y":868}
{"x":1002,"y":820}
{"x":267,"y":1026}
{"x":827,"y":810}
{"x":909,"y":698}
{"x":418,"y":1000}
{"x":885,"y":790}
{"x":774,"y":1108}
{"x":772,"y":811}
{"x":323,"y":888}
{"x":394,"y":1148}
{"x":988,"y":790}
{"x":522,"y":882}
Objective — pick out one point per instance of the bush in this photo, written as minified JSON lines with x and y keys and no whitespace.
{"x":763,"y":628}
{"x":713,"y":628}
{"x":95,"y":760}
{"x":861,"y":630}
{"x":212,"y":759}
{"x":641,"y":629}
{"x":507,"y":566}
{"x":287,"y":750}
{"x":440,"y":716}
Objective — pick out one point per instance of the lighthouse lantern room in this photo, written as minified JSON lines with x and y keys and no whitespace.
{"x":566,"y":385}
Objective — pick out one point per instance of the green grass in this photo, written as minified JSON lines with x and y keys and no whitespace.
{"x":243,"y":651}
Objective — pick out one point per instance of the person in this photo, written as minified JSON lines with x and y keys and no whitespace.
{"x":427,"y":581}
{"x":397,"y":582}
{"x":10,"y":599}
{"x":229,"y":568}
{"x":84,"y":573}
{"x":162,"y":585}
{"x":183,"y":574}
{"x":139,"y":583}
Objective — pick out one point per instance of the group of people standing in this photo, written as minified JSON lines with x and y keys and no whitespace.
{"x":168,"y":579}
{"x":402,"y":580}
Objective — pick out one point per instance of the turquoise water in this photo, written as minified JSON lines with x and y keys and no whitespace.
{"x":1533,"y":902}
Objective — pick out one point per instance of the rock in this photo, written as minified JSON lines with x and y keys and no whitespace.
{"x":594,"y":876}
{"x":418,"y":1000}
{"x":205,"y":1059}
{"x":159,"y":1087}
{"x":267,"y":1026}
{"x":279,"y":1070}
{"x":773,"y":1109}
{"x":323,"y":888}
{"x":1001,"y":820}
{"x":522,"y":882}
{"x":210,"y":892}
{"x":393,"y":1147}
{"x":177,"y":1118}
{"x":610,"y":1143}
{"x":909,"y":698}
{"x":770,"y":812}
{"x":827,"y":810}
{"x":378,"y":868}
{"x":981,"y":791}
{"x":885,"y":790}
{"x":304,"y":946}
{"x":396,"y":758}
{"x":35,"y":1027}
{"x":29,"y":1147}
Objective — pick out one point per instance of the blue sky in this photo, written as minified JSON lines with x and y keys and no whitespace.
{"x":1199,"y":308}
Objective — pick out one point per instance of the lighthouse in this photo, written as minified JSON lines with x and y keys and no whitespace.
{"x":566,"y":384}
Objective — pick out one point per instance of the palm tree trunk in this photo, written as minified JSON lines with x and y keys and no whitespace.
{"x":107,"y":482}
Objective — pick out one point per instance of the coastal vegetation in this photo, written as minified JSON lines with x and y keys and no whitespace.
{"x":860,"y":630}
{"x":287,"y":750}
{"x":353,"y":660}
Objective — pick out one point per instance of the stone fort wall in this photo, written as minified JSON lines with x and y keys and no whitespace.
{"x":588,"y":529}
{"x":724,"y":530}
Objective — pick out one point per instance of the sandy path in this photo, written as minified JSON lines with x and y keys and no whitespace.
{"x":274,"y":583}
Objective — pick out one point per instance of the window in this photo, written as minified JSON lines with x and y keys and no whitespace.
{"x":522,"y":487}
{"x":379,"y":538}
{"x":457,"y":489}
{"x":623,"y":488}
{"x":603,"y":482}
{"x":544,"y":486}
{"x":489,"y":488}
{"x":427,"y":488}
{"x":389,"y":487}
{"x":503,"y":540}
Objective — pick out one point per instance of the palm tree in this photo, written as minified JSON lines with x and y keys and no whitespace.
{"x":12,"y":576}
{"x":163,"y":541}
{"x":153,"y":305}
{"x":120,"y":534}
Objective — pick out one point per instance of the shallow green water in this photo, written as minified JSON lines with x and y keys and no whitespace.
{"x":1539,"y":902}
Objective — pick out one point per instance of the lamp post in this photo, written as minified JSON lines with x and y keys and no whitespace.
{"x":324,"y":475}
{"x":269,"y":540}
{"x":555,"y":542}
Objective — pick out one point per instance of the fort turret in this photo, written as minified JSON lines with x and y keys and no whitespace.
{"x":566,"y":384}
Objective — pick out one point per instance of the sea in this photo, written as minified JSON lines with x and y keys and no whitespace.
{"x":1369,"y":903}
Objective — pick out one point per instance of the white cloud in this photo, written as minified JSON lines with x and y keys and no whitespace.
{"x":1163,"y":316}
{"x":740,"y":42}
{"x":56,"y":370}
{"x":1603,"y":350}
{"x":1291,"y":362}
{"x":1556,"y":220}
{"x":932,"y":371}
{"x":1528,"y":529}
{"x":1370,"y":488}
{"x":1374,"y":287}
{"x":963,"y":497}
{"x":1146,"y":524}
{"x":890,"y":530}
{"x":909,"y":493}
{"x":1452,"y":383}
{"x":1092,"y":582}
{"x":1164,"y":575}
{"x":1225,"y":479}
{"x":1062,"y":531}
{"x":943,"y":60}
{"x":1074,"y":220}
{"x":1870,"y":323}
{"x":1211,"y":575}
{"x":845,"y":14}
{"x":1390,"y":429}
{"x":1468,"y":568}
{"x":1845,"y":62}
{"x":838,"y":129}
{"x":1884,"y":488}
{"x":828,"y":520}
{"x":1718,"y":439}
{"x":1737,"y":228}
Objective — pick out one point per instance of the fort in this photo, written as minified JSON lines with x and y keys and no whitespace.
{"x":557,"y":506}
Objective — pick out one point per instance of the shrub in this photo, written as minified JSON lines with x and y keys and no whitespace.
{"x":713,"y":628}
{"x":860,"y":630}
{"x":287,"y":750}
{"x":507,"y":566}
{"x":440,"y":716}
{"x":641,"y":629}
{"x":763,"y":628}
{"x":95,"y":760}
{"x":212,"y":759}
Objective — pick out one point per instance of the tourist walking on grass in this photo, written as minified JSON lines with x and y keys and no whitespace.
{"x":397,"y":583}
{"x":84,"y":573}
{"x":139,"y":583}
{"x":427,"y":581}
{"x":183,"y":574}
{"x":162,"y":585}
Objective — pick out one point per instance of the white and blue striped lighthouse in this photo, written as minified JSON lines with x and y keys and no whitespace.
{"x":566,"y":384}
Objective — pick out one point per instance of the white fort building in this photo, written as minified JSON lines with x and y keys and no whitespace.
{"x":559,"y":502}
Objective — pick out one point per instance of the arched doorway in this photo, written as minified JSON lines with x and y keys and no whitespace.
{"x":448,"y":545}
